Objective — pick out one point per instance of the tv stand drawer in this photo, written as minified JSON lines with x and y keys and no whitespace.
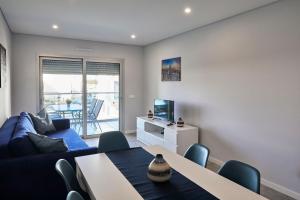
{"x":170,"y":136}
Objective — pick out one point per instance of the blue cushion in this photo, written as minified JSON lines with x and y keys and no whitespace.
{"x":6,"y":133}
{"x":20,"y":144}
{"x":71,"y":139}
{"x":26,"y":114}
{"x":24,"y":125}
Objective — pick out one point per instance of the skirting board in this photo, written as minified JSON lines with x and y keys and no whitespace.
{"x":267,"y":183}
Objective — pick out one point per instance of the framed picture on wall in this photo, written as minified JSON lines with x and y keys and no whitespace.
{"x":171,"y":69}
{"x":2,"y":66}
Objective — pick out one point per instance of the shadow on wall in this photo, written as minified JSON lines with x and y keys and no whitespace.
{"x":220,"y":146}
{"x":188,"y":112}
{"x":193,"y":114}
{"x":218,"y":143}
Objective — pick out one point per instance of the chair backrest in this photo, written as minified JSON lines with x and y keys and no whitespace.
{"x":50,"y":111}
{"x":66,"y":171}
{"x":112,"y":141}
{"x":92,"y":105}
{"x":197,"y":153}
{"x":97,"y":109}
{"x":242,"y":174}
{"x":73,"y":195}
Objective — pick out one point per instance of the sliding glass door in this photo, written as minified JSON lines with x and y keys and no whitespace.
{"x":61,"y":89}
{"x":82,"y":90}
{"x":102,"y":86}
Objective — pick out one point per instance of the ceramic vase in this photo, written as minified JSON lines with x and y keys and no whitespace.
{"x":159,"y":170}
{"x":150,"y":114}
{"x":180,"y":122}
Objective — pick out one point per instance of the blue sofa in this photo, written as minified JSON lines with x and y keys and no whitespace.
{"x":27,"y":174}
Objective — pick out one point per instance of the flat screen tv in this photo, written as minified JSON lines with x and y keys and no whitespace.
{"x":164,"y":109}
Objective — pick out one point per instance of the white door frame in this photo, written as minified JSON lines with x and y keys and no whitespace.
{"x":84,"y":92}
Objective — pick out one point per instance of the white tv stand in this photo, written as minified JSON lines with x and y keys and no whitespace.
{"x":176,"y":139}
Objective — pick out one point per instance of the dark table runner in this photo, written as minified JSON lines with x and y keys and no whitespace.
{"x":133,"y":164}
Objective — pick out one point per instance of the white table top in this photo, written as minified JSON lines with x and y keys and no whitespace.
{"x":106,"y":182}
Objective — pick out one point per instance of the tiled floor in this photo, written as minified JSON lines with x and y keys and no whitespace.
{"x":265,"y":191}
{"x":111,"y":125}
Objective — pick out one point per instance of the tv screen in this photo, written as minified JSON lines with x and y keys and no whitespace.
{"x":164,"y":109}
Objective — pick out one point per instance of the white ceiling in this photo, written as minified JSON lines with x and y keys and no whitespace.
{"x":115,"y":20}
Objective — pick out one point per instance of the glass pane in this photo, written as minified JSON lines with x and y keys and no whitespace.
{"x":102,"y":103}
{"x":62,"y":96}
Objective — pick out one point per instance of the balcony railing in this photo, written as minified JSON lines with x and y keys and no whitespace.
{"x":109,"y":110}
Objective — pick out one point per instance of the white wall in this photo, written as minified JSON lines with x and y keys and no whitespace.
{"x":27,"y":48}
{"x":241,"y":86}
{"x":5,"y":94}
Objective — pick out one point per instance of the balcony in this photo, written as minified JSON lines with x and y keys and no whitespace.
{"x":69,"y":106}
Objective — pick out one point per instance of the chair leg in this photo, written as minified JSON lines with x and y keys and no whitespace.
{"x":79,"y":128}
{"x":94,"y":124}
{"x":99,"y":126}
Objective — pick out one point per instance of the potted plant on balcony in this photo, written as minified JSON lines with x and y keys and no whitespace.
{"x":68,"y":101}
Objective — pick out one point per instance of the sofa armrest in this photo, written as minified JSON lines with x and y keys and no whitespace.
{"x":61,"y":124}
{"x":35,"y":177}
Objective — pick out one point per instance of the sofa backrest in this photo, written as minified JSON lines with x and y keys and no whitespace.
{"x":20,"y":144}
{"x":6,"y":133}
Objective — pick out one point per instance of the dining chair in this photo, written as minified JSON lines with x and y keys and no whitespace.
{"x":198,"y":153}
{"x":242,"y":174}
{"x":112,"y":141}
{"x":73,"y":195}
{"x":92,"y":105}
{"x":93,"y":115}
{"x":66,"y":171}
{"x":52,"y":113}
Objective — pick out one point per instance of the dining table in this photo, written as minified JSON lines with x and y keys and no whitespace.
{"x":66,"y":108}
{"x":118,"y":176}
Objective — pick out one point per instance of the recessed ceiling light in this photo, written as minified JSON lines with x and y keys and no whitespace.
{"x":54,"y":26}
{"x":133,"y":36}
{"x":187,"y":10}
